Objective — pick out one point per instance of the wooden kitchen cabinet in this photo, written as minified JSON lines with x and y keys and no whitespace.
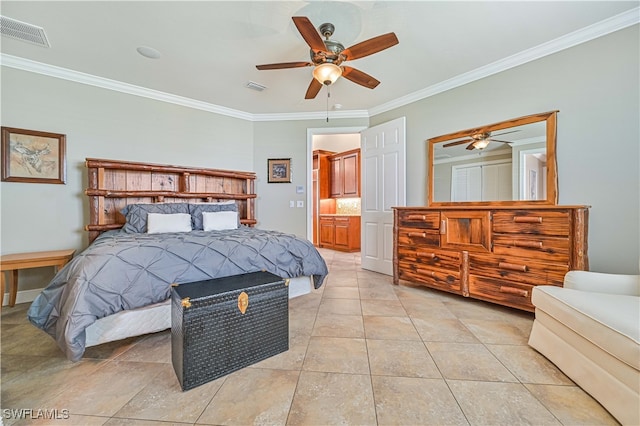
{"x":496,"y":254}
{"x":320,"y":187}
{"x":326,"y":232}
{"x":340,"y":232}
{"x":345,"y":174}
{"x":322,"y":170}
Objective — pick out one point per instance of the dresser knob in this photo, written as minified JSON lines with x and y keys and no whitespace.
{"x":528,"y":244}
{"x":512,"y":267}
{"x":527,"y":219}
{"x":417,"y":234}
{"x":515,"y":291}
{"x":428,"y":255}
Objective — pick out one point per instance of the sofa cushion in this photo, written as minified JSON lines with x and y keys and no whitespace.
{"x":609,"y":321}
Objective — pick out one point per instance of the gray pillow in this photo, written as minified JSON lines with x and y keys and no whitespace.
{"x":196,"y":211}
{"x":136,"y":214}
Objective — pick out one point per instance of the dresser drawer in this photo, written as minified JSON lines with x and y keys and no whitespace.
{"x":412,"y":237}
{"x":537,"y":247}
{"x":500,"y":291}
{"x":440,"y":279}
{"x":532,"y":222}
{"x":517,"y":269}
{"x":418,"y":219}
{"x":430,"y":258}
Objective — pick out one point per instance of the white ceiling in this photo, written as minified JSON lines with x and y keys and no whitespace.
{"x":210,"y":48}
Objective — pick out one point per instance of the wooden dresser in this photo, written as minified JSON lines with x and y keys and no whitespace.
{"x":496,"y":253}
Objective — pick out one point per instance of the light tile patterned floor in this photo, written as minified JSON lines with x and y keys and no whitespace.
{"x":362,"y":352}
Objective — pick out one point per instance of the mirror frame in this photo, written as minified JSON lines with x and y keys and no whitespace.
{"x":552,"y":172}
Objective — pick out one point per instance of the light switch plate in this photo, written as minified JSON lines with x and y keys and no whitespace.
{"x":300,"y":203}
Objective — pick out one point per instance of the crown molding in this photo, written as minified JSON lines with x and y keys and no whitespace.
{"x":583,"y":35}
{"x":118,"y":86}
{"x":318,"y":115}
{"x":599,"y":29}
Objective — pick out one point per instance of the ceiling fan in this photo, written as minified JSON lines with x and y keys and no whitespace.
{"x":479,"y":140}
{"x":327,"y":56}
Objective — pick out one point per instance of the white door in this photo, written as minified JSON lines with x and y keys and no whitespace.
{"x":489,"y":181}
{"x":496,"y":182}
{"x":466,"y":183}
{"x":383,"y":186}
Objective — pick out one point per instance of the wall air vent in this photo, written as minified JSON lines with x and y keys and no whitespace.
{"x":255,"y":86}
{"x":22,"y":31}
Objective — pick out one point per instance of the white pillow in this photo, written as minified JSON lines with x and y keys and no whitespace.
{"x":176,"y":222}
{"x":217,"y":221}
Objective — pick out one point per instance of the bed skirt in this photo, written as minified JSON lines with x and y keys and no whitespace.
{"x":157,"y":317}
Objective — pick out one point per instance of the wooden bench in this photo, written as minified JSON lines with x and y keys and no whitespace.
{"x":11,"y":263}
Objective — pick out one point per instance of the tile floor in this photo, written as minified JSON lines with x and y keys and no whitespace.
{"x":362,"y":352}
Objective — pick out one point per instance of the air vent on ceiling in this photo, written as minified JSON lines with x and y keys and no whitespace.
{"x":255,"y":86}
{"x":22,"y":31}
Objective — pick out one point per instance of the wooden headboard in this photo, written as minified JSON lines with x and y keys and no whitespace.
{"x":113,"y":184}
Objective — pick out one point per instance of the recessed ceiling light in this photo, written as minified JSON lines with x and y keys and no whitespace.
{"x":148,"y":52}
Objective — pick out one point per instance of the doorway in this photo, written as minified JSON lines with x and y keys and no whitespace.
{"x":329,"y":139}
{"x":383,"y":185}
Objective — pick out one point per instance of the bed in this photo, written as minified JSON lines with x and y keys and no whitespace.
{"x":154,"y":225}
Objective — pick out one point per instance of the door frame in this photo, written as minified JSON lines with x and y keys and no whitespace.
{"x":311,"y":132}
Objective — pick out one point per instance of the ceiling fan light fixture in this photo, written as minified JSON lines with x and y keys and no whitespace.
{"x":327,"y":73}
{"x":481,"y":144}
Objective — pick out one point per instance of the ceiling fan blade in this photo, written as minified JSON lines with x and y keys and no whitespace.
{"x":446,"y":145}
{"x":496,"y":140}
{"x":314,"y":88}
{"x":309,"y":33}
{"x":471,"y":146}
{"x":371,"y":46}
{"x":284,"y":65}
{"x":359,"y":77}
{"x":504,"y":133}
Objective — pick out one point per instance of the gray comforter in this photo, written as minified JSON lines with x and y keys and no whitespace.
{"x":121,"y":271}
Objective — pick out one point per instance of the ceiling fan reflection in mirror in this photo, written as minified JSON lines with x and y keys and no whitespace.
{"x":479,"y":141}
{"x":327,"y":56}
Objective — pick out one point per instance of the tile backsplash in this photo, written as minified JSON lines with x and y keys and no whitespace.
{"x":348,"y":206}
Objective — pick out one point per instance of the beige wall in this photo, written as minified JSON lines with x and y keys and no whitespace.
{"x":596,"y":88}
{"x":337,"y":143}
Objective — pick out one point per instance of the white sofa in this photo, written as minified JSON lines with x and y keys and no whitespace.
{"x":590,"y":329}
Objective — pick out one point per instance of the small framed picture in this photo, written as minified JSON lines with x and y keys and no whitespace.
{"x":279,"y":170}
{"x":33,"y":156}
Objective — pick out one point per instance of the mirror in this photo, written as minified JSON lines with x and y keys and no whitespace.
{"x":508,"y":163}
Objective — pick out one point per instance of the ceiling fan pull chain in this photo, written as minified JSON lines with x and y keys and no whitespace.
{"x":328,"y":96}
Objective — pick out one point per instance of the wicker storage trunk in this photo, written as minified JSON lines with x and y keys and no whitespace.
{"x":222,"y":325}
